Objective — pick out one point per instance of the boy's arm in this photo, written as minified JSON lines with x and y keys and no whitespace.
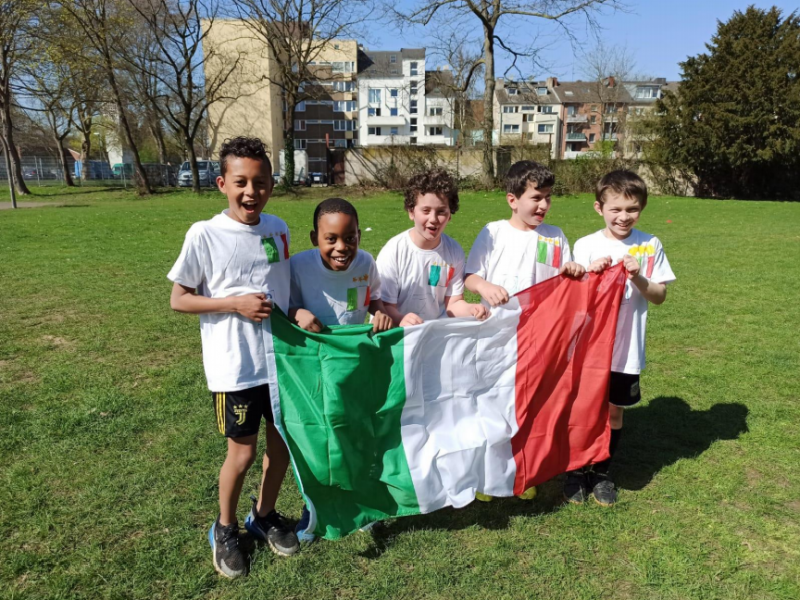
{"x":456,"y":306}
{"x":651,"y":291}
{"x":252,"y":306}
{"x":495,"y":295}
{"x":399,"y":319}
{"x":305,"y":319}
{"x":381,"y":321}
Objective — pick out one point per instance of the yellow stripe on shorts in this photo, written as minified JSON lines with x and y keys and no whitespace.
{"x":219,"y":412}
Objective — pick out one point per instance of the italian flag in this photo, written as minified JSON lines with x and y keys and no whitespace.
{"x":412,"y":420}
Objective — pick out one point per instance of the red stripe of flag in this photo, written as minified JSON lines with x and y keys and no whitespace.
{"x":651,"y":260}
{"x":285,"y":246}
{"x":450,"y":273}
{"x":366,"y":299}
{"x":557,"y":256}
{"x":562,"y":375}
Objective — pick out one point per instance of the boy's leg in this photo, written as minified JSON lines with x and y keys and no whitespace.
{"x":276,"y":463}
{"x":241,"y":456}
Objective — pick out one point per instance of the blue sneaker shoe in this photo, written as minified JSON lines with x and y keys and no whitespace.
{"x":228,"y":558}
{"x":305,"y":537}
{"x":273,"y":530}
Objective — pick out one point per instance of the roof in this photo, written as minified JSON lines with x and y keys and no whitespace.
{"x":378,"y":64}
{"x":531,"y":97}
{"x":439,"y":82}
{"x":586,"y":92}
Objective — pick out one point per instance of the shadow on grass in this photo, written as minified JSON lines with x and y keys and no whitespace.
{"x":667,"y":430}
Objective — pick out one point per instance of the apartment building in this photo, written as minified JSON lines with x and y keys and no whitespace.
{"x":528,"y":112}
{"x":399,"y":103}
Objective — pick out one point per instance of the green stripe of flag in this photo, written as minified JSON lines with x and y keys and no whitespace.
{"x":346,"y":420}
{"x":433,"y":277}
{"x":352,"y":298}
{"x":271,"y":248}
{"x":541,"y":252}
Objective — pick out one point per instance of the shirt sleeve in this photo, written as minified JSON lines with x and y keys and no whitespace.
{"x":295,"y":292}
{"x":189,"y":269}
{"x":456,"y":287}
{"x":566,"y":253}
{"x":387,"y":273}
{"x":476,"y":262}
{"x":582,"y":253}
{"x":375,"y":288}
{"x":662,"y":272}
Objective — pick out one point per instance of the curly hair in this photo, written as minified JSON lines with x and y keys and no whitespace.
{"x":524,"y":172}
{"x":624,"y":183}
{"x":435,"y":181}
{"x":332,"y":206}
{"x":242,"y":147}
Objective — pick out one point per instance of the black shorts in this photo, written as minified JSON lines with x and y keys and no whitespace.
{"x":624,"y":390}
{"x":239,"y":413}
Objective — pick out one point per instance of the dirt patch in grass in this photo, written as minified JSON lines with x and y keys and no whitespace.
{"x":58,"y":342}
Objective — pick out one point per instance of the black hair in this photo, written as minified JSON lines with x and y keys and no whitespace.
{"x":625,"y":183}
{"x":435,"y":181}
{"x":527,"y":171}
{"x":242,"y":147}
{"x":333,"y":206}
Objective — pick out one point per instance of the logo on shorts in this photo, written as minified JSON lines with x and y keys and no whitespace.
{"x":241,"y":413}
{"x":635,"y":389}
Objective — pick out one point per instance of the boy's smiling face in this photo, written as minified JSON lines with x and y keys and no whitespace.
{"x":430,"y":215}
{"x":529,"y":209}
{"x":247,"y":184}
{"x":337,"y":237}
{"x":620,"y":213}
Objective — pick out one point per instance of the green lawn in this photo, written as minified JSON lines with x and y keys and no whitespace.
{"x":109,"y":456}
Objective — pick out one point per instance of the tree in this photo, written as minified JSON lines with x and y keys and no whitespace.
{"x":296,"y":33}
{"x":104,"y":23}
{"x":492,"y":15}
{"x":735,"y":121}
{"x":15,"y":43}
{"x":171,"y":66}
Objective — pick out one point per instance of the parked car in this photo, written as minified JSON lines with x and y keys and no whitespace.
{"x":28,"y":173}
{"x":96,"y":169}
{"x":206,"y":170}
{"x":122,"y":168}
{"x":318,"y":178}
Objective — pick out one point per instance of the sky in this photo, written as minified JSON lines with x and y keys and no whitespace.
{"x":657,"y":33}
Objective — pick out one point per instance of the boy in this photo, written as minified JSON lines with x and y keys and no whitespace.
{"x":620,"y":198}
{"x":230,"y":271}
{"x":422,"y":269}
{"x":334,"y":283}
{"x":511,"y":255}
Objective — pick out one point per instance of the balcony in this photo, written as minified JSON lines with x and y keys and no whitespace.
{"x":386,"y":120}
{"x":576,"y":137}
{"x":577,"y":118}
{"x":435,"y":120}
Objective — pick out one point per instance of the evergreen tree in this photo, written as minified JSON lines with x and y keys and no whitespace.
{"x":735,"y":121}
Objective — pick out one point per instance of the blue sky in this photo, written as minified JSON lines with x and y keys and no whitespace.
{"x":658,"y":33}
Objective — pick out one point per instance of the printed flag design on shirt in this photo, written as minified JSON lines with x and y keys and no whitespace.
{"x":435,"y":275}
{"x":412,"y":420}
{"x":646,"y":255}
{"x":548,"y":252}
{"x":271,"y":247}
{"x":358,"y":297}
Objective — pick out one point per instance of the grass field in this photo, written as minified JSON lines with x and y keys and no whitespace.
{"x":109,"y":456}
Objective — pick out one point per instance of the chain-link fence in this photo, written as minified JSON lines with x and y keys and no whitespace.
{"x":47,"y":170}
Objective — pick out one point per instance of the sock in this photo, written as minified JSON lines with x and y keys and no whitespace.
{"x":603,"y":466}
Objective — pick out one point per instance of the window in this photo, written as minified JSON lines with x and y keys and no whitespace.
{"x":541,"y":91}
{"x":392,"y":112}
{"x":373,"y":112}
{"x":435,"y":112}
{"x":343,"y":125}
{"x":374,"y":96}
{"x":393,"y":131}
{"x":594,"y":119}
{"x":568,"y":93}
{"x":572,"y":110}
{"x":413,"y":140}
{"x":300,"y":144}
{"x":343,"y":67}
{"x":414,"y":68}
{"x":301,"y":106}
{"x":647,"y":92}
{"x":374,"y":131}
{"x":413,"y":88}
{"x":344,"y":105}
{"x":413,"y":125}
{"x":594,"y":107}
{"x":393,"y":58}
{"x":340,"y":143}
{"x":510,"y":128}
{"x":300,"y":125}
{"x":344,"y":86}
{"x":591,"y":138}
{"x":547,"y":109}
{"x":510,"y":109}
{"x":393,"y":92}
{"x":611,"y":109}
{"x":434,"y":131}
{"x":529,"y":109}
{"x":412,"y":109}
{"x":512,"y":91}
{"x":545,"y":128}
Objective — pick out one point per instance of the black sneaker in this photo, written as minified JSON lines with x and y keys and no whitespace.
{"x":575,"y":488}
{"x":228,"y":558}
{"x":272,"y":529}
{"x":603,"y":489}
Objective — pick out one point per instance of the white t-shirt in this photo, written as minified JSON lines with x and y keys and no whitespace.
{"x":629,"y":344}
{"x":516,"y":259}
{"x":334,"y":297}
{"x":419,"y":280}
{"x":220,"y":258}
